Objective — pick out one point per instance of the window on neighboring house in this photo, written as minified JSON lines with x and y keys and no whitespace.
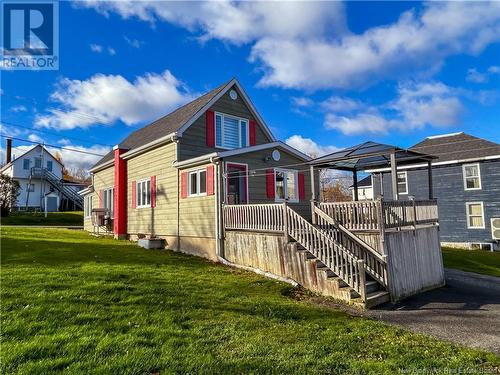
{"x":472,"y":177}
{"x":38,"y":162}
{"x":26,"y":164}
{"x":402,"y":183}
{"x":144,"y":193}
{"x":197,"y":182}
{"x":475,"y":215}
{"x":88,"y":205}
{"x":108,"y":200}
{"x":230,"y":131}
{"x":30,"y":187}
{"x":286,"y":184}
{"x":49,"y":165}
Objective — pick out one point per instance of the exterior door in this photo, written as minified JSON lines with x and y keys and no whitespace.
{"x":237,"y":183}
{"x":51,"y":204}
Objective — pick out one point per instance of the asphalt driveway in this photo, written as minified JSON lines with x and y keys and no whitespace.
{"x":465,"y":311}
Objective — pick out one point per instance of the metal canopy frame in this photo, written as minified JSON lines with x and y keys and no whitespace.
{"x":371,"y":155}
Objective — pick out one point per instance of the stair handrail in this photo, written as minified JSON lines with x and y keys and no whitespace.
{"x":333,"y":254}
{"x":56,"y":182}
{"x":375,"y":263}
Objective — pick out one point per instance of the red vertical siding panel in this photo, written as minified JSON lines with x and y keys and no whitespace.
{"x":302,"y":186}
{"x":152,"y":185}
{"x":210,"y":128}
{"x":210,"y":180}
{"x":271,"y":193}
{"x":251,"y":132}
{"x":120,"y":194}
{"x":184,"y":185}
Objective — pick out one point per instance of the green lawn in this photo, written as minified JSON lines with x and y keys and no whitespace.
{"x":37,"y":218}
{"x":479,"y":261}
{"x":76,"y":304}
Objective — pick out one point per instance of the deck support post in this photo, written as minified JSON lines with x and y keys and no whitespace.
{"x":362,"y":279}
{"x":429,"y":178}
{"x":394,"y":177}
{"x":355,"y":184}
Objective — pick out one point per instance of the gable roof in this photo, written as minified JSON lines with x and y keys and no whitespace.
{"x":364,"y":182}
{"x":27,"y":152}
{"x":176,"y":122}
{"x":457,"y":146}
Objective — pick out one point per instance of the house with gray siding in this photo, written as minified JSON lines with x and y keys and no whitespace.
{"x":465,"y":182}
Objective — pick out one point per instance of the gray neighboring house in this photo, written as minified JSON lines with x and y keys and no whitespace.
{"x":466,"y":183}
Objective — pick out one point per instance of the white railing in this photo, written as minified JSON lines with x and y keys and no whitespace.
{"x":377,"y":215}
{"x":362,"y":215}
{"x":256,"y":217}
{"x":281,"y":218}
{"x":375,"y":263}
{"x":400,"y":214}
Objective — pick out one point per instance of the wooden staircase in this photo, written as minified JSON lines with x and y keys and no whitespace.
{"x":358,"y":271}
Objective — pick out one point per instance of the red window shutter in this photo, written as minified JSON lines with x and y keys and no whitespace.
{"x":252,"y":133}
{"x":270,"y":184}
{"x":302,"y":186}
{"x":210,"y":180}
{"x":152,"y":185}
{"x":101,"y":194}
{"x":184,"y":185}
{"x":134,"y":195}
{"x":210,"y":128}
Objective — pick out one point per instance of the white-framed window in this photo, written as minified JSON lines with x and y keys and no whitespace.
{"x":26,"y":164}
{"x":38,"y":162}
{"x":143,"y":192}
{"x":49,"y":165}
{"x":472,"y":176}
{"x":197,"y":183}
{"x":402,"y":183}
{"x":286,"y":185}
{"x":231,"y":131}
{"x":475,"y":215}
{"x":108,"y":200}
{"x":30,"y":187}
{"x":88,"y":205}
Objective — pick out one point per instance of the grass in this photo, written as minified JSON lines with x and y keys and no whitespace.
{"x":76,"y":304}
{"x":38,"y":218}
{"x":478,"y":261}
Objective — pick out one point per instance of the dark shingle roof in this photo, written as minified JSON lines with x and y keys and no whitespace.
{"x":457,"y":146}
{"x":165,"y":125}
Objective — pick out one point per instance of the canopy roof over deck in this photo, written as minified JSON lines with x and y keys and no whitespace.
{"x":370,"y":155}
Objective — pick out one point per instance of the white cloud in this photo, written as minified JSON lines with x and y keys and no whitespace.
{"x":302,"y":101}
{"x":309,"y":147}
{"x":133,"y":42}
{"x":19,"y":108}
{"x":473,"y":75}
{"x":96,"y":48}
{"x":35,"y":138}
{"x":415,"y":41}
{"x":416,"y":106}
{"x":307,"y":44}
{"x":494,"y":69}
{"x":111,"y":51}
{"x":234,"y":22}
{"x":107,"y":98}
{"x":341,"y":104}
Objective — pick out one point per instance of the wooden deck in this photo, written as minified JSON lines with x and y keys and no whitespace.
{"x":394,"y":244}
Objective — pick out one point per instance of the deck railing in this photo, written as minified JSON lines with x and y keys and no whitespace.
{"x":378,"y":215}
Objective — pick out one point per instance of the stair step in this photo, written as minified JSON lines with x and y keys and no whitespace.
{"x":371,"y":286}
{"x":352,"y":293}
{"x":377,"y":298}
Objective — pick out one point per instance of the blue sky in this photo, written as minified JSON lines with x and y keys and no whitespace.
{"x":323,"y":75}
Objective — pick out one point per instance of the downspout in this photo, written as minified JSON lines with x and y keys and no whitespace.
{"x":176,"y":140}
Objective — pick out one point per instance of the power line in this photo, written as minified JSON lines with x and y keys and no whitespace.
{"x":52,"y":133}
{"x":53,"y":146}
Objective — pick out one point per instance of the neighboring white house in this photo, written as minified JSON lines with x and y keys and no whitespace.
{"x":40,"y":176}
{"x":365,"y":189}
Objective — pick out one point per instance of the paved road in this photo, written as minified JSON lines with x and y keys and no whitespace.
{"x":465,"y":311}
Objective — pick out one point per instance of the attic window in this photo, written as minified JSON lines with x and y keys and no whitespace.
{"x":230,"y":131}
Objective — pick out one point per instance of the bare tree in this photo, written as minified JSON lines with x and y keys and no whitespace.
{"x":9,"y":191}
